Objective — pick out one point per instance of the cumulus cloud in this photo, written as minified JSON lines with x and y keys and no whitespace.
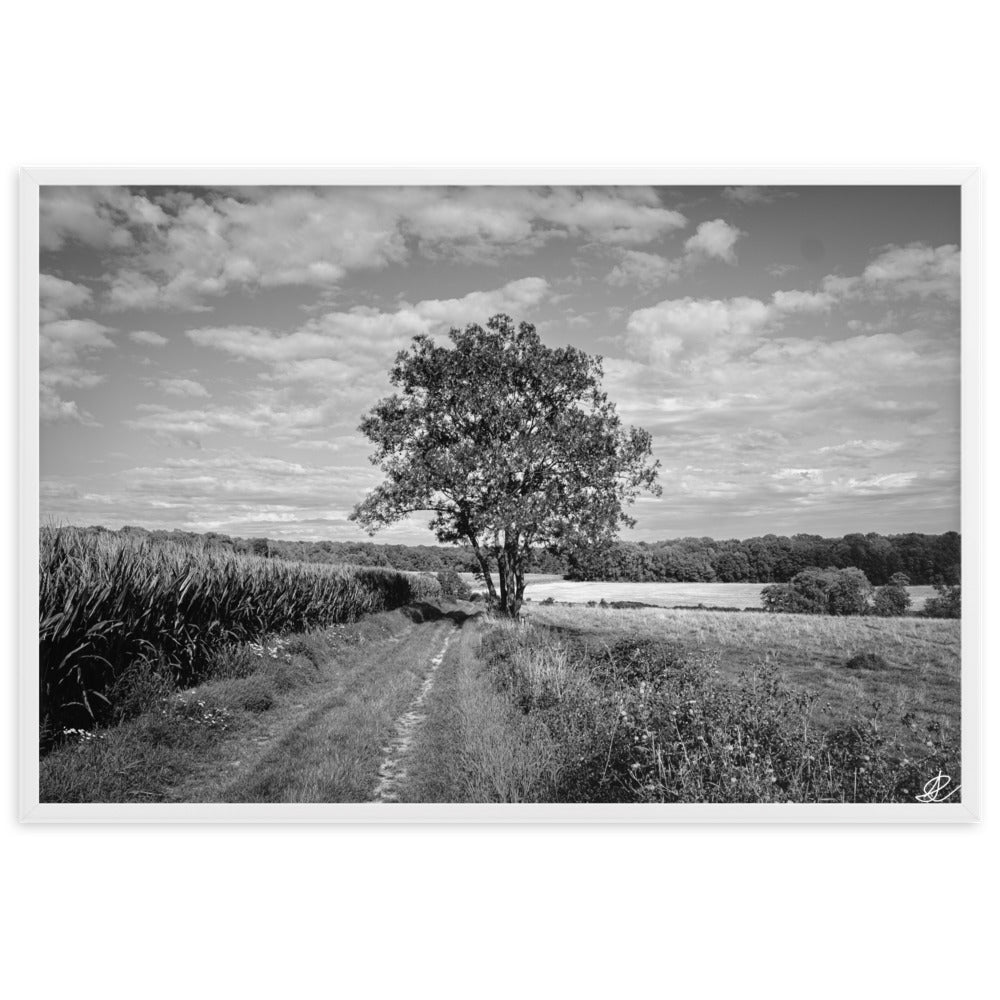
{"x":899,"y":272}
{"x":65,"y":346}
{"x":916,"y":269}
{"x":58,"y":297}
{"x":716,"y":238}
{"x":64,"y":341}
{"x":680,"y":326}
{"x":180,"y":250}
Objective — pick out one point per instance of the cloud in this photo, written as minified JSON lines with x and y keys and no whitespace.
{"x":898,"y":272}
{"x":147,"y":337}
{"x":362,"y":332}
{"x":625,"y":216}
{"x":182,"y":387}
{"x":799,"y":475}
{"x":916,"y":269}
{"x":715,"y":239}
{"x":58,"y":297}
{"x":180,"y":250}
{"x":644,"y":270}
{"x":53,"y":409}
{"x":676,"y":327}
{"x":859,"y":448}
{"x":64,"y":341}
{"x":712,"y":240}
{"x":780,"y":270}
{"x":65,"y":345}
{"x":803,"y":302}
{"x":233,"y":491}
{"x":752,"y":195}
{"x":881,"y":484}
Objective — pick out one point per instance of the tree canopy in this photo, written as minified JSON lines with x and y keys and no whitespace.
{"x":512,"y":445}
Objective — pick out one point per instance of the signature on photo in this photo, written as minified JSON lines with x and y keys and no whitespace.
{"x":934,"y":789}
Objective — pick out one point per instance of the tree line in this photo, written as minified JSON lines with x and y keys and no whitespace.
{"x":923,"y":559}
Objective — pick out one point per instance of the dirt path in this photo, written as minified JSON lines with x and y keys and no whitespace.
{"x":392,"y":772}
{"x":325,"y":742}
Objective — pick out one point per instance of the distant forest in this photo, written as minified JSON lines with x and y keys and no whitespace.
{"x":925,"y":559}
{"x":773,"y":559}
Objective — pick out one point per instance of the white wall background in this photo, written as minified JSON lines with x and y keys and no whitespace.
{"x":490,"y":912}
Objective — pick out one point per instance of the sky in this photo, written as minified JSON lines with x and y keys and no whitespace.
{"x":207,"y":353}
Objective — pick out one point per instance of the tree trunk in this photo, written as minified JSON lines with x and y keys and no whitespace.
{"x":503,"y":571}
{"x":484,"y":565}
{"x":511,"y":580}
{"x":519,"y":589}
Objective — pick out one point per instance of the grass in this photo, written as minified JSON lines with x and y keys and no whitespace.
{"x":476,"y":745}
{"x":109,"y":602}
{"x":810,"y":652}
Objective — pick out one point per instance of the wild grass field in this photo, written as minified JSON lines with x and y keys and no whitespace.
{"x":922,"y":656}
{"x":668,"y":706}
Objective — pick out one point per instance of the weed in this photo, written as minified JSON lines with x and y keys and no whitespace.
{"x":866,"y":661}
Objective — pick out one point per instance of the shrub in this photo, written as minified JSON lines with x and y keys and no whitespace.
{"x":948,"y":603}
{"x":850,"y":593}
{"x":815,"y":591}
{"x":866,"y":661}
{"x":452,"y":585}
{"x":891,"y":601}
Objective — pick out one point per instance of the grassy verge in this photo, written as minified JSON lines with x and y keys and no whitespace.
{"x":298,"y":719}
{"x":476,"y":745}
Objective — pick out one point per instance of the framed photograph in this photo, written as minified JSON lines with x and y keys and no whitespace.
{"x":513,"y":495}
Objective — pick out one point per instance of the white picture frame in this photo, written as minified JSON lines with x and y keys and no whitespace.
{"x":31,"y":810}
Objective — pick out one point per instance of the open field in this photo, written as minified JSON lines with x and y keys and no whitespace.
{"x":540,"y":586}
{"x":809,"y":651}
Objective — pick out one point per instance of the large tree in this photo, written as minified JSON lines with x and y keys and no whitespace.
{"x":511,"y":444}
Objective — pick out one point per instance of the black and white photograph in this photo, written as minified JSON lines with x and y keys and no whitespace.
{"x":407,"y":495}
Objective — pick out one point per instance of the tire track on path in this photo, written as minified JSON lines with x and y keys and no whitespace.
{"x":392,"y":772}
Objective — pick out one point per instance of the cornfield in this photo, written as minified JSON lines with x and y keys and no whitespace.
{"x":107,"y":601}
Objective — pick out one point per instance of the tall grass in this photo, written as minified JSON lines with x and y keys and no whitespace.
{"x":109,"y":601}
